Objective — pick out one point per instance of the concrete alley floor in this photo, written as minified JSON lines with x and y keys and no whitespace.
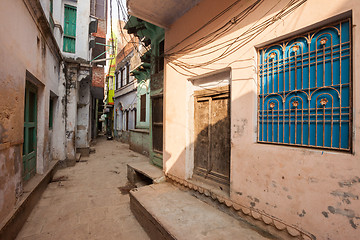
{"x":84,"y":202}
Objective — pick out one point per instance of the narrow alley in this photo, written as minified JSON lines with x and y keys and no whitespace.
{"x":84,"y":201}
{"x":179,"y":120}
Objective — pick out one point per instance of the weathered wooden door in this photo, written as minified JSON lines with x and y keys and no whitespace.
{"x":29,"y":146}
{"x":212,"y":134}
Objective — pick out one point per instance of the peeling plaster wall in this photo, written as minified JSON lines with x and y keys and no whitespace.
{"x":58,"y":16}
{"x":71,"y":99}
{"x":58,"y":137}
{"x":83,"y":114}
{"x":78,"y":82}
{"x":23,"y":48}
{"x":315,"y":190}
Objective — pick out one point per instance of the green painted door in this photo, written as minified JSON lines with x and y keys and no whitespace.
{"x":29,"y":146}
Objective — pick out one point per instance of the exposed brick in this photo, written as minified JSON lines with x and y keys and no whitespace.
{"x":101,"y":31}
{"x":98,"y":76}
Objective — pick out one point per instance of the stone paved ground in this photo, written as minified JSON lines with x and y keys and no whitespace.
{"x":86,"y":203}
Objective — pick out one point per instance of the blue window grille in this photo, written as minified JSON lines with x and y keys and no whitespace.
{"x":305,"y":89}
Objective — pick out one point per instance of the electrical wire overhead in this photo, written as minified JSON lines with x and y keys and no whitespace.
{"x":179,"y":59}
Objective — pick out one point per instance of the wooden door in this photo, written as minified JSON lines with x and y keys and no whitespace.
{"x":212,"y":134}
{"x":30,"y":121}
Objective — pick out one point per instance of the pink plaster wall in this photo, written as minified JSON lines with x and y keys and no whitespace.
{"x":302,"y":187}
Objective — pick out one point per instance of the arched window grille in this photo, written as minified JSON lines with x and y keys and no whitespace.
{"x":305,"y":89}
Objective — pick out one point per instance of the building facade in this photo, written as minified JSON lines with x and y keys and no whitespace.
{"x":125,"y":96}
{"x":261,"y":109}
{"x":98,"y":10}
{"x":150,"y":74}
{"x":45,"y":99}
{"x":32,"y":78}
{"x":79,"y":24}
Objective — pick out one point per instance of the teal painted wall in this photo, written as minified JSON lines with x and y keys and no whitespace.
{"x":139,"y":141}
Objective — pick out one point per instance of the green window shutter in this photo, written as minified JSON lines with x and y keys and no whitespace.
{"x":51,"y":21}
{"x":69,"y":29}
{"x":51,"y":6}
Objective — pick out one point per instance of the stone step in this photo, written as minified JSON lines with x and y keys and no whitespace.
{"x":166,"y":212}
{"x":144,"y":171}
{"x":78,"y":157}
{"x":92,"y":150}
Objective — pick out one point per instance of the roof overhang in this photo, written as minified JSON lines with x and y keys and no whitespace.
{"x":162,"y":13}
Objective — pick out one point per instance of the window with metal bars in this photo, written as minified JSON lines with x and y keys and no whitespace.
{"x":305,"y":89}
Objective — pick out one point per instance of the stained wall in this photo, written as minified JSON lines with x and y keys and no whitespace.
{"x":26,"y":53}
{"x":314,"y":190}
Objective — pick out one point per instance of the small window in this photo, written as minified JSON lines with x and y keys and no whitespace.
{"x":143,"y":108}
{"x":51,"y":113}
{"x":160,"y":58}
{"x":127,"y":74}
{"x":100,"y":9}
{"x":127,"y":120}
{"x":123,"y":77}
{"x":117,"y":80}
{"x":69,"y":29}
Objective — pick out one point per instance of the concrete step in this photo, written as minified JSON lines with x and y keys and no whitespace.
{"x":166,"y":212}
{"x":144,"y":172}
{"x":78,"y":157}
{"x":92,"y":150}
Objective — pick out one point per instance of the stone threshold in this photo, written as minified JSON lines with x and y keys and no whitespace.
{"x":33,"y":189}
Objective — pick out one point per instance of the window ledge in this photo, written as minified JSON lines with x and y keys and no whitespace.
{"x":123,"y":87}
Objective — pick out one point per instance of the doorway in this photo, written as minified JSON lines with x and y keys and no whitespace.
{"x":30,"y":123}
{"x":212,"y":134}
